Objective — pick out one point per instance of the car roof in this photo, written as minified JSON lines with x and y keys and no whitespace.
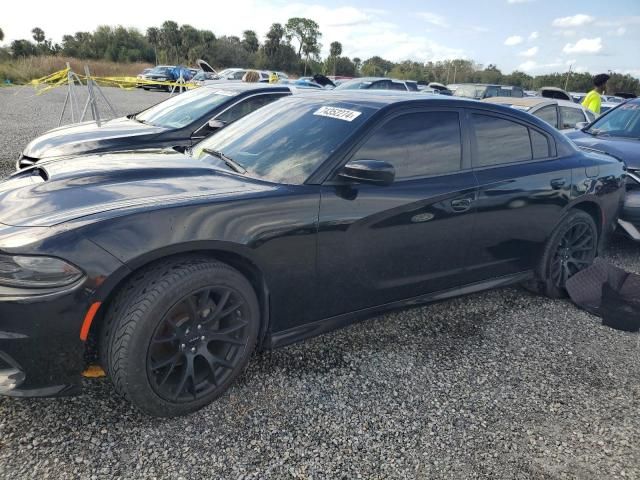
{"x":375,"y":79}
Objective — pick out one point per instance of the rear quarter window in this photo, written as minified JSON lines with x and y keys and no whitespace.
{"x":500,"y":141}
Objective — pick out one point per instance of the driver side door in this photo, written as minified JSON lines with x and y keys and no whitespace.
{"x":379,"y":244}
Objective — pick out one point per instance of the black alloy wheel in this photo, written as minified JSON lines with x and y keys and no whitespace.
{"x":179,"y":333}
{"x":572,"y":247}
{"x":195,"y":347}
{"x":575,"y":252}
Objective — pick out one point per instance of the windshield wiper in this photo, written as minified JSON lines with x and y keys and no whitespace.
{"x":229,"y":162}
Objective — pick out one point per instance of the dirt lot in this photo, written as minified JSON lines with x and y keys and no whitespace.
{"x":500,"y":385}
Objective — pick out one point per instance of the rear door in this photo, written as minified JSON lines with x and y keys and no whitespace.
{"x":378,"y":244}
{"x":523,"y":188}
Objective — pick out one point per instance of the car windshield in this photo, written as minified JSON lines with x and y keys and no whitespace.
{"x":469,"y":91}
{"x":624,"y":121}
{"x":181,"y":110}
{"x":287,"y":140}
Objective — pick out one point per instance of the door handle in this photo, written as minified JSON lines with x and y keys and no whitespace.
{"x":461,"y":204}
{"x":558,"y":183}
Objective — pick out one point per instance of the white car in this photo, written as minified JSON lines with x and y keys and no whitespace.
{"x":236,"y":74}
{"x":562,"y":114}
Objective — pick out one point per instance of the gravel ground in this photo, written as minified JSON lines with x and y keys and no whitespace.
{"x":500,"y":385}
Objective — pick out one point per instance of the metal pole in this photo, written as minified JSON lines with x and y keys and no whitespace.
{"x":566,"y":82}
{"x":94,"y":106}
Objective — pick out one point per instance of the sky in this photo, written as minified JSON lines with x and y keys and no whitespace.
{"x":535,"y":36}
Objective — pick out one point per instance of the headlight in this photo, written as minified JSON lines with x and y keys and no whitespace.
{"x":36,"y":272}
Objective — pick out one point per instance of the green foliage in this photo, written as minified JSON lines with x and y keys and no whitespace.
{"x":38,"y":35}
{"x":1,"y":35}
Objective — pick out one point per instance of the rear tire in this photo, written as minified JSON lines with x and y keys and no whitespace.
{"x":178,"y":334}
{"x":572,"y":247}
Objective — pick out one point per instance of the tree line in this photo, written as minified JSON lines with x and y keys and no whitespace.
{"x":293,"y":47}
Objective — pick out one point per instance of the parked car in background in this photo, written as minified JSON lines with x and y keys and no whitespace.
{"x":577,"y":97}
{"x":178,"y":122}
{"x":561,"y":114}
{"x":236,"y":74}
{"x":141,"y":75}
{"x":205,"y":72}
{"x":555,"y":92}
{"x":440,"y":88}
{"x":613,"y":99}
{"x":378,"y":83}
{"x":625,"y":95}
{"x":160,"y":73}
{"x":302,"y":217}
{"x":617,"y":133}
{"x":530,"y":93}
{"x":478,"y":91}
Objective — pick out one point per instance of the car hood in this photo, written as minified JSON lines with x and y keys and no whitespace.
{"x":67,"y":189}
{"x":626,"y":149}
{"x":87,"y":136}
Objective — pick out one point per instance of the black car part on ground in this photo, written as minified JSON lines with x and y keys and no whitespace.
{"x":608,"y":292}
{"x":289,"y":247}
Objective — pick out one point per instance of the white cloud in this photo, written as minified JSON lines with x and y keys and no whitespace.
{"x":513,"y":40}
{"x":530,"y":52}
{"x":513,"y":2}
{"x":532,"y":65}
{"x":584,"y":45}
{"x":533,"y":36}
{"x":434,"y":19}
{"x":528,"y":66}
{"x":629,"y":20}
{"x":573,"y":21}
{"x":565,"y":33}
{"x":618,"y":32}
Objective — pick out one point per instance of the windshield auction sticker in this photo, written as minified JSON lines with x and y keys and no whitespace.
{"x":339,"y":113}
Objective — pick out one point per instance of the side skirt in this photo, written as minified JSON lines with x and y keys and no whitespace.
{"x":302,"y":332}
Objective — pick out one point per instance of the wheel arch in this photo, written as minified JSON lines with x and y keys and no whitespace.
{"x":592,"y":208}
{"x":233,"y":256}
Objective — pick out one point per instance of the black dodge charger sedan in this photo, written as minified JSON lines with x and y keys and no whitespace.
{"x":302,"y":217}
{"x":179,"y":121}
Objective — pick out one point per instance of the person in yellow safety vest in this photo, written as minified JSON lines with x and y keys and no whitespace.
{"x":273,"y":77}
{"x":593,"y":101}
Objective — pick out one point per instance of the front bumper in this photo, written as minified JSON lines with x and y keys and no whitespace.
{"x":41,"y":353}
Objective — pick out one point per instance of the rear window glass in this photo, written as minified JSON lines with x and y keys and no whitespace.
{"x":500,"y":141}
{"x":549,"y":114}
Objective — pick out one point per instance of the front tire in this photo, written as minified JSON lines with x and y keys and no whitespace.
{"x":178,"y":334}
{"x":572,"y":247}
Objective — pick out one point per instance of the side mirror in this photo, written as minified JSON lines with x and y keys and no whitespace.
{"x":581,"y":125}
{"x":216,"y":124}
{"x":375,"y":172}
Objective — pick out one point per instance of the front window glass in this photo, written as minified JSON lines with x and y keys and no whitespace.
{"x":417,"y":144}
{"x":624,"y":121}
{"x":181,"y":110}
{"x":571,"y":116}
{"x":286,"y":141}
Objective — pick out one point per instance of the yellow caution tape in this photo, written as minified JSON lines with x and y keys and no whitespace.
{"x":62,"y":77}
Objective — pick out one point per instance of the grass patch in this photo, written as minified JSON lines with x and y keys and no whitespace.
{"x":24,"y":70}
